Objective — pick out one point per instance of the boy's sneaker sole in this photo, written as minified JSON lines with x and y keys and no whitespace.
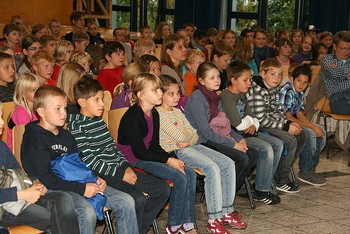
{"x":288,"y":188}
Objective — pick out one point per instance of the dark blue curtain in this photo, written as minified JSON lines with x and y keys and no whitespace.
{"x":202,"y":13}
{"x":329,"y":15}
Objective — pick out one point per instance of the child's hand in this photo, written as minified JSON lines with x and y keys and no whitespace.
{"x":182,"y":145}
{"x":241,"y":147}
{"x":101,"y":184}
{"x":130,"y":176}
{"x":294,"y":129}
{"x":177,"y":164}
{"x":91,"y":190}
{"x":243,"y":142}
{"x":40,"y":187}
{"x":251,"y":129}
{"x":318,"y":131}
{"x":31,"y":194}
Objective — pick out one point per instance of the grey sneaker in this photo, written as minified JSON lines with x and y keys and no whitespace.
{"x":310,"y":177}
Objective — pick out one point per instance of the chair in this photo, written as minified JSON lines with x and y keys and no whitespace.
{"x":325,"y":111}
{"x":17,"y":138}
{"x":107,"y":101}
{"x":209,"y":48}
{"x":20,"y":229}
{"x":158,"y":52}
{"x":114,"y":117}
{"x":7,"y":108}
{"x":285,"y":69}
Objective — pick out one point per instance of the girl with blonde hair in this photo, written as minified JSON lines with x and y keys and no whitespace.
{"x":23,"y":113}
{"x":63,"y":53}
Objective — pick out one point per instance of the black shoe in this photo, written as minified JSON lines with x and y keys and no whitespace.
{"x":288,"y":188}
{"x":266,"y":197}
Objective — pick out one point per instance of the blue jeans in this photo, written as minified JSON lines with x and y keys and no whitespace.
{"x":123,"y":206}
{"x":340,"y":102}
{"x":244,"y":162}
{"x":294,"y":145}
{"x":270,"y":150}
{"x":220,"y":177}
{"x":85,"y":213}
{"x":310,"y":155}
{"x":182,"y":196}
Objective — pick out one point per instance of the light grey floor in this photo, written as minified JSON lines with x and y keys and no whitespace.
{"x":312,"y":210}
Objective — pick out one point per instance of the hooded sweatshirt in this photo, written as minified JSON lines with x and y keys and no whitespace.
{"x":265,"y":105}
{"x":39,"y":148}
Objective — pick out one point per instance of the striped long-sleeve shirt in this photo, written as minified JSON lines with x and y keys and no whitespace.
{"x":98,"y":149}
{"x":175,"y":128}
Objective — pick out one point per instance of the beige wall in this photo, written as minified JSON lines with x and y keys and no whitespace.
{"x":36,"y":11}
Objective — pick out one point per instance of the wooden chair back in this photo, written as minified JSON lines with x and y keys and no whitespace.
{"x":107,"y":100}
{"x":158,"y":51}
{"x":7,"y":108}
{"x":17,"y":138}
{"x":114,"y":117}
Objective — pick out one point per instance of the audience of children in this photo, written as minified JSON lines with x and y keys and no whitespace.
{"x":180,"y":63}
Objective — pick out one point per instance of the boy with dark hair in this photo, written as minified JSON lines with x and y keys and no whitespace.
{"x":264,"y":103}
{"x":242,"y":119}
{"x":111,"y":75}
{"x":12,"y":36}
{"x":45,"y":140}
{"x":99,"y":151}
{"x":7,"y":77}
{"x":291,"y":98}
{"x":81,"y":41}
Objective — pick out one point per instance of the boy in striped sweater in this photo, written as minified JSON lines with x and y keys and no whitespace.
{"x":99,"y":151}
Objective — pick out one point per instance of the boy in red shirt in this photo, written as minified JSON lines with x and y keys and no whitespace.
{"x":111,"y":75}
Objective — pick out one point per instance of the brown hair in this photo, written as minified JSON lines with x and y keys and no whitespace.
{"x":269,"y":64}
{"x":44,"y":92}
{"x":235,"y":70}
{"x":39,"y":55}
{"x":204,"y":68}
{"x":243,"y":51}
{"x":129,"y":73}
{"x":221,"y":48}
{"x":169,"y":43}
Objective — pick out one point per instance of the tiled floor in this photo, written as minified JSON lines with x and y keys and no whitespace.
{"x":312,"y":210}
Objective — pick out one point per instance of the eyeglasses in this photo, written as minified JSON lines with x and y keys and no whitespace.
{"x":343,"y":49}
{"x":35,"y":48}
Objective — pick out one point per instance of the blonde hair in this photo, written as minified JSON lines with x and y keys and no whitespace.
{"x":26,"y":82}
{"x":44,"y":92}
{"x":70,"y":73}
{"x":129,"y":73}
{"x":141,"y":46}
{"x":141,"y":82}
{"x":61,"y":50}
{"x":79,"y":56}
{"x":270,"y":63}
{"x":41,"y":55}
{"x":191,"y":54}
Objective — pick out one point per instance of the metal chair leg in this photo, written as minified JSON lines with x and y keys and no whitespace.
{"x":250,"y":193}
{"x":155,"y":226}
{"x":291,"y":170}
{"x":108,"y":221}
{"x":202,"y":197}
{"x":325,"y":127}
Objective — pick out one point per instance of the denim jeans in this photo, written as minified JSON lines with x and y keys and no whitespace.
{"x":64,"y":219}
{"x":244,"y":162}
{"x":123,"y":206}
{"x":340,"y":102}
{"x":220,"y":177}
{"x":182,"y":196}
{"x":310,"y":155}
{"x":270,"y":150}
{"x":33,"y":215}
{"x":294,"y":146}
{"x":148,"y":208}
